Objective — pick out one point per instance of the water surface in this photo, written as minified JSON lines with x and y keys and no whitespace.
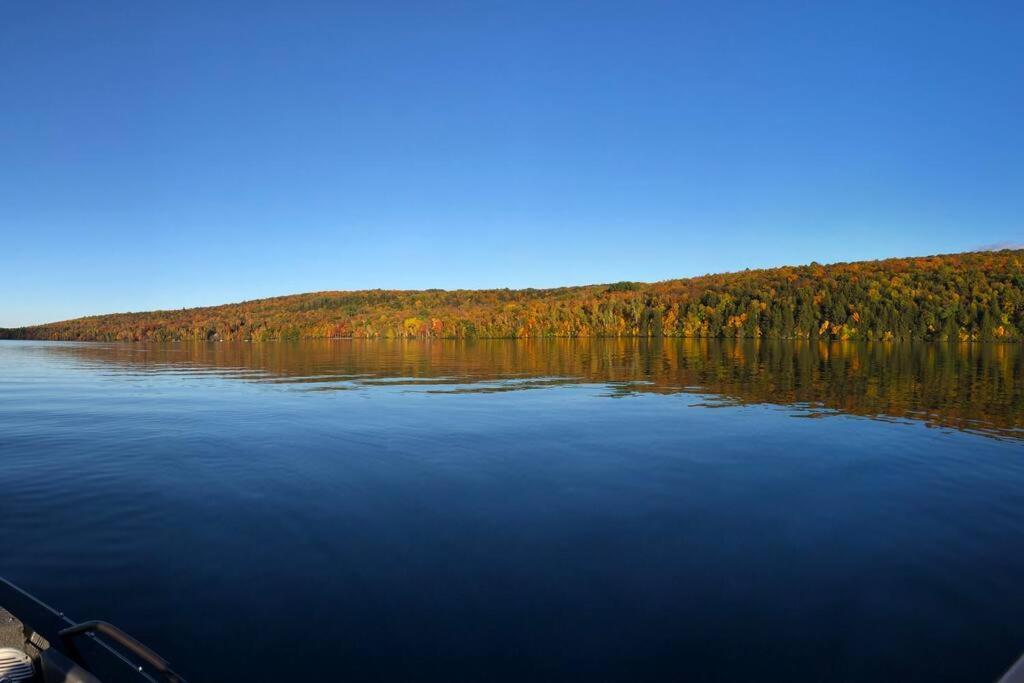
{"x":510,"y":510}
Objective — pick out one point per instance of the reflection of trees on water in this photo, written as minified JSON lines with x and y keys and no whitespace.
{"x":963,"y":386}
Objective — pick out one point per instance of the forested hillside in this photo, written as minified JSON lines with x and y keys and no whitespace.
{"x":971,"y":296}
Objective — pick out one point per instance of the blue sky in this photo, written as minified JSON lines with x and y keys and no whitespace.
{"x":160,"y":155}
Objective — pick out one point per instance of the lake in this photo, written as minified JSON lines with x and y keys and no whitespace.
{"x":526,"y":510}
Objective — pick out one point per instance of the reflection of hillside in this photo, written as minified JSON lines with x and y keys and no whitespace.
{"x":963,"y":386}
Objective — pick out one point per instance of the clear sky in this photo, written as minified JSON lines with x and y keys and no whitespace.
{"x":160,"y":155}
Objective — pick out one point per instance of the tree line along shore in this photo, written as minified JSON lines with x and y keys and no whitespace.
{"x":969,"y":296}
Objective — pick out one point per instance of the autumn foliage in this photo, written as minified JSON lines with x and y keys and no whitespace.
{"x":970,"y":296}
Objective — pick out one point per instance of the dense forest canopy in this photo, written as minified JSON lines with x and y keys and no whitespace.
{"x":970,"y":296}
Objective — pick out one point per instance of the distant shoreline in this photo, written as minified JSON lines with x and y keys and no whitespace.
{"x":815,"y":340}
{"x":974,"y":296}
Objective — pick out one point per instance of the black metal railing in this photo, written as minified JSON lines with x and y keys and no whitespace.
{"x":93,"y":652}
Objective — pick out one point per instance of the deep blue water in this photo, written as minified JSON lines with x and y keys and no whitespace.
{"x":525,"y":511}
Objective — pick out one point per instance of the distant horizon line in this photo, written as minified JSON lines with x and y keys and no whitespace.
{"x":995,"y":248}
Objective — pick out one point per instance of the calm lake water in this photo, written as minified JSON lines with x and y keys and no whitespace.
{"x":540,"y":510}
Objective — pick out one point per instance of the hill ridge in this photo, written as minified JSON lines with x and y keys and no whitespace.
{"x":965,"y":296}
